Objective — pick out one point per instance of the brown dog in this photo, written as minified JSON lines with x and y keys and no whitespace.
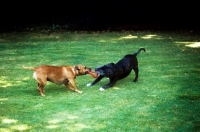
{"x":58,"y":74}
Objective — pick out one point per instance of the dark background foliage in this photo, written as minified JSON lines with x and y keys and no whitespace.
{"x":99,"y":15}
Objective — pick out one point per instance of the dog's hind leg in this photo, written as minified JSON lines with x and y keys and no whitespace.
{"x":41,"y":83}
{"x":136,"y":70}
{"x":40,"y":89}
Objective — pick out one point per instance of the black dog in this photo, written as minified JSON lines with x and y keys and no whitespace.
{"x":118,"y":71}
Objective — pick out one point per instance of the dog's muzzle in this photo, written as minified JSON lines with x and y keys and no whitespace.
{"x":88,"y":70}
{"x":100,"y":72}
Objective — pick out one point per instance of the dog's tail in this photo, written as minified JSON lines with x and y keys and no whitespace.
{"x":29,"y":68}
{"x":136,"y":53}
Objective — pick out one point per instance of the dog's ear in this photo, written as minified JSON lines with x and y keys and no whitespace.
{"x":76,"y":68}
{"x":111,"y":64}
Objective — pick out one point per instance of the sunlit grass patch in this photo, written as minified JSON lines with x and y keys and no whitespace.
{"x":190,"y":44}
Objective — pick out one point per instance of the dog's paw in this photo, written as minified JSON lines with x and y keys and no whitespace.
{"x":78,"y":91}
{"x":89,"y":84}
{"x":101,"y":89}
{"x":135,"y":80}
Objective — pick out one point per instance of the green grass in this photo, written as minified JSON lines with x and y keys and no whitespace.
{"x":166,"y":97}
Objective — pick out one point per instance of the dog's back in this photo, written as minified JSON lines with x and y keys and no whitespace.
{"x":127,"y":63}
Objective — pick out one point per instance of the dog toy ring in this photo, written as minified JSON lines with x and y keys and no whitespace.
{"x":95,"y":76}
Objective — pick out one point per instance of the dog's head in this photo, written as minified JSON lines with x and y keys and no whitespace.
{"x":81,"y":69}
{"x":107,"y":70}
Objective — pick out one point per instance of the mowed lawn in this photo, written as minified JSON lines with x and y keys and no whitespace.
{"x":166,"y":97}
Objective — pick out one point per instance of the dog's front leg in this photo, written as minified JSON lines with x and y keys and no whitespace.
{"x":110,"y":84}
{"x":73,"y":86}
{"x":95,"y":81}
{"x":69,"y":86}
